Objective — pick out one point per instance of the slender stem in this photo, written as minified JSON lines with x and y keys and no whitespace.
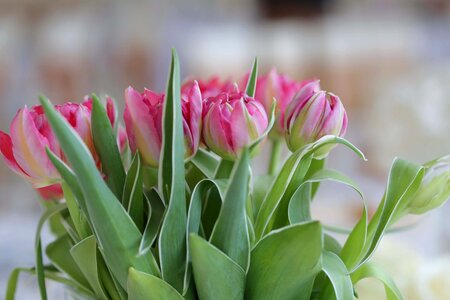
{"x":275,"y":156}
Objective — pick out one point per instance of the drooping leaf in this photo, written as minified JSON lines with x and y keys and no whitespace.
{"x":230,"y":233}
{"x":51,"y":211}
{"x":105,"y":143}
{"x":282,"y":182}
{"x":341,"y":287}
{"x":216,"y":275}
{"x":370,"y":270}
{"x":284,"y":263}
{"x":172,"y":238}
{"x":113,"y":228}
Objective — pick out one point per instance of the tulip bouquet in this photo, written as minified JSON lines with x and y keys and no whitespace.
{"x":169,"y":208}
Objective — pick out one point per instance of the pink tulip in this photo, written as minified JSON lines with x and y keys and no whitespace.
{"x":143,"y":121}
{"x":30,"y":134}
{"x":311,"y":115}
{"x":211,"y":87}
{"x":232,"y":121}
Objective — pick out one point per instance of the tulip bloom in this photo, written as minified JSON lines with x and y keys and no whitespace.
{"x":211,"y":87}
{"x":143,"y":121}
{"x":232,"y":122}
{"x":311,"y":115}
{"x":24,"y":150}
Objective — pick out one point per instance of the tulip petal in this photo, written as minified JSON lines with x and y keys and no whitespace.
{"x":51,"y":192}
{"x":6,"y":149}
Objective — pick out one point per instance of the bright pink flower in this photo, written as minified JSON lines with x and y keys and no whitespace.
{"x":30,"y":134}
{"x":143,"y":121}
{"x":232,"y":121}
{"x":311,"y":115}
{"x":211,"y":87}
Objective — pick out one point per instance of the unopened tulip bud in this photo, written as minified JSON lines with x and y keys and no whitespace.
{"x":232,"y":121}
{"x":311,"y":115}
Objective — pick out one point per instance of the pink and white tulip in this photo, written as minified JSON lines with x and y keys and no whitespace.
{"x":24,"y":149}
{"x":232,"y":121}
{"x":143,"y":121}
{"x":311,"y":115}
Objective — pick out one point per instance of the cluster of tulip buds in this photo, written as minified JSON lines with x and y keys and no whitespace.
{"x":216,"y":114}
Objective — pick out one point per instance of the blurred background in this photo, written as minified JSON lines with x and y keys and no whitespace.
{"x":388,"y":60}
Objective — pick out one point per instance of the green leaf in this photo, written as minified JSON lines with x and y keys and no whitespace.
{"x":132,"y":198}
{"x":201,"y":197}
{"x":142,"y":286}
{"x":172,"y":239}
{"x":331,"y":244}
{"x":156,"y":208}
{"x":216,"y":276}
{"x":282,"y":182}
{"x":284,"y":264}
{"x":339,"y":277}
{"x":59,"y":254}
{"x":404,"y":180}
{"x":105,"y":143}
{"x":354,"y":246}
{"x":299,"y":205}
{"x":230,"y":232}
{"x":114,"y":230}
{"x":374,"y":271}
{"x":250,"y":89}
{"x":260,"y":185}
{"x":85,"y":255}
{"x":206,"y":162}
{"x":51,"y":211}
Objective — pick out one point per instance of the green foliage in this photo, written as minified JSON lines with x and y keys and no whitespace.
{"x":208,"y":228}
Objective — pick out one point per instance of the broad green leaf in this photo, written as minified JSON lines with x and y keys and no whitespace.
{"x":79,"y":220}
{"x":172,"y":238}
{"x":250,"y":89}
{"x":105,"y":143}
{"x":115,"y":231}
{"x":59,"y":254}
{"x":142,"y":286}
{"x":110,"y":285}
{"x":331,"y":244}
{"x":284,"y":263}
{"x":373,"y":271}
{"x":224,"y":169}
{"x":51,"y":275}
{"x":260,"y":185}
{"x":133,"y":198}
{"x":51,"y":211}
{"x":216,"y":276}
{"x":230,"y":233}
{"x":404,"y":180}
{"x":354,"y":246}
{"x":85,"y":255}
{"x":283,"y":181}
{"x":206,"y":162}
{"x":156,"y":215}
{"x":341,"y":283}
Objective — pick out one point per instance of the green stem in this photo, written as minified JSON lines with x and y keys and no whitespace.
{"x":275,"y":156}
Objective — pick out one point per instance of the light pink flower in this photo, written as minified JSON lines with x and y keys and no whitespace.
{"x":311,"y":115}
{"x":30,"y":134}
{"x":143,"y":121}
{"x":211,"y":87}
{"x":232,"y":121}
